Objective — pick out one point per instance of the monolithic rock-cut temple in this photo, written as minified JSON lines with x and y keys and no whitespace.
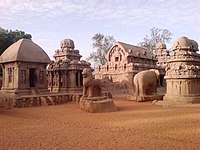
{"x":24,"y":68}
{"x":65,"y":73}
{"x":183,"y":72}
{"x":162,"y":54}
{"x":124,"y":61}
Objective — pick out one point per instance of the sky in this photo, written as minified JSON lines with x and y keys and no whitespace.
{"x":50,"y":21}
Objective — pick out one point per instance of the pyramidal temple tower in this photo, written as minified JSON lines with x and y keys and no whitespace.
{"x":65,"y":73}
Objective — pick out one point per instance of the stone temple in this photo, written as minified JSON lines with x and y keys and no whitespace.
{"x":162,"y":54}
{"x":183,"y":72}
{"x":24,"y":68}
{"x":26,"y":79}
{"x":124,"y":61}
{"x":65,"y":73}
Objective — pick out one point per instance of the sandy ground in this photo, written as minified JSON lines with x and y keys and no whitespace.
{"x":134,"y":126}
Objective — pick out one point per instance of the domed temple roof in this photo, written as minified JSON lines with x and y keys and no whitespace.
{"x":67,"y":43}
{"x":195,"y":45}
{"x":24,"y":50}
{"x":185,"y":43}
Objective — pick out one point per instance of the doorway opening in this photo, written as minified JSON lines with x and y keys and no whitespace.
{"x":32,"y":77}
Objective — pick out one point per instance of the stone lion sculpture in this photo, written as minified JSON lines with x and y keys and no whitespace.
{"x":91,"y":87}
{"x":145,"y":82}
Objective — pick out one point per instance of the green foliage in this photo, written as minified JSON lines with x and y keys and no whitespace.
{"x":156,"y":35}
{"x":8,"y":37}
{"x":102,"y":44}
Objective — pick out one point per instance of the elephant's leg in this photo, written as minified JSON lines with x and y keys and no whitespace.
{"x":141,"y":90}
{"x":154,"y":88}
{"x":100,"y":90}
{"x":136,"y":88}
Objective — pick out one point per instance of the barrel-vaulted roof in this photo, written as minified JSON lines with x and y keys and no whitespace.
{"x":133,"y":50}
{"x":24,"y":50}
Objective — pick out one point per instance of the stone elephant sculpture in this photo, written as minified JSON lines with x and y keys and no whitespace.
{"x":91,"y":87}
{"x":145,"y":82}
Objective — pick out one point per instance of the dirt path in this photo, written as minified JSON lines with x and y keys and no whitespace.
{"x":134,"y":126}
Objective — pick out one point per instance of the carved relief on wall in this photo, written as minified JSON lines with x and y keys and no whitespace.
{"x":23,"y":76}
{"x":50,"y":79}
{"x":10,"y":74}
{"x":55,"y":79}
{"x":182,"y":69}
{"x":116,"y":54}
{"x":41,"y":77}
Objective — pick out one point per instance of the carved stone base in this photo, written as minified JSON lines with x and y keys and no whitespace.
{"x":97,"y":104}
{"x":144,"y":98}
{"x":183,"y":99}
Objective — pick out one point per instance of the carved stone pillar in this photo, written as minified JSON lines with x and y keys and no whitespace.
{"x":72,"y":78}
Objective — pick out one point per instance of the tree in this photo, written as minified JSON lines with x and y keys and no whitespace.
{"x":156,"y":35}
{"x":102,"y":44}
{"x":8,"y":37}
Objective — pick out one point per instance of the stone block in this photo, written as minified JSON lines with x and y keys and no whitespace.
{"x":97,"y":105}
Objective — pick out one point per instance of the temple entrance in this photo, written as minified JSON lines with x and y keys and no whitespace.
{"x":32,"y":77}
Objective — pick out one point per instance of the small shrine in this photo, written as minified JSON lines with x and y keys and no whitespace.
{"x":24,"y":68}
{"x":65,"y":73}
{"x":183,"y":72}
{"x":162,"y":54}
